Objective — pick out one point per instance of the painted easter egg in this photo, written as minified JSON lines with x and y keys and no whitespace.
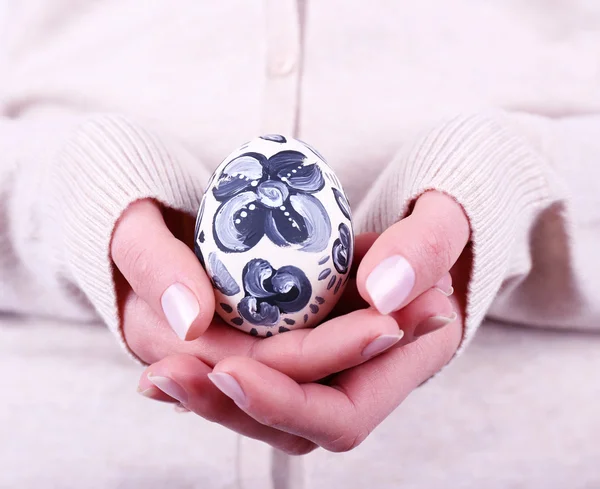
{"x":274,"y":234}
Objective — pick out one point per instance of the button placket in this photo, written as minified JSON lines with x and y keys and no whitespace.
{"x":282,"y":67}
{"x":280,"y":111}
{"x":283,"y":38}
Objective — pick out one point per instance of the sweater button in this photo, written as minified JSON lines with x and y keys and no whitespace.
{"x":282,"y":67}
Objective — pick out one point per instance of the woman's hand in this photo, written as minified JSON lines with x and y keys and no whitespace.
{"x":167,"y":307}
{"x":264,"y":396}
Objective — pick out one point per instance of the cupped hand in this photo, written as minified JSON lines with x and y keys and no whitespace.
{"x":346,"y":397}
{"x":167,"y":307}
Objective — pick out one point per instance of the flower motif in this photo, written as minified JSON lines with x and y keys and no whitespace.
{"x":319,"y":155}
{"x":270,"y":196}
{"x":342,"y":251}
{"x":220,"y":276}
{"x":276,"y":138}
{"x":199,"y":238}
{"x":270,"y":292}
{"x":342,"y":202}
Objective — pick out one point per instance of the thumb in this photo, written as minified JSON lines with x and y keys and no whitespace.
{"x":162,"y":270}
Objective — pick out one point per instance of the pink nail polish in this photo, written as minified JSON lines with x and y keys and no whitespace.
{"x":229,"y":386}
{"x":433,"y":323}
{"x":150,"y":392}
{"x":390,"y":283}
{"x":169,"y":387}
{"x":444,"y":285}
{"x":180,"y":307}
{"x":381,"y":344}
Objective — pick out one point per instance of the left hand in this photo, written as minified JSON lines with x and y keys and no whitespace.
{"x":264,"y":403}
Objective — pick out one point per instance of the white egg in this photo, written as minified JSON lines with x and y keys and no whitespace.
{"x":274,"y":233}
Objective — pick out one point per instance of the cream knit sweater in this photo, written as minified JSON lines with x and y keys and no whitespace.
{"x":495,"y":103}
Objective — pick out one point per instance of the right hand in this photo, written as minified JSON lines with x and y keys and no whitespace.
{"x":167,"y":306}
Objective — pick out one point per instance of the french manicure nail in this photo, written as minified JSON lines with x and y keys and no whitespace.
{"x":390,"y":283}
{"x":444,"y":285}
{"x":433,"y":323}
{"x":180,"y":307}
{"x":180,"y":408}
{"x":381,"y":344}
{"x":150,"y":392}
{"x":447,"y":292}
{"x":229,"y":386}
{"x":169,"y":387}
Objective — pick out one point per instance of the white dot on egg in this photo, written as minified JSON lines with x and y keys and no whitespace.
{"x":289,"y":175}
{"x":238,"y":221}
{"x":294,"y":171}
{"x":241,"y":177}
{"x":252,"y":206}
{"x":289,"y":218}
{"x":244,"y":214}
{"x":284,"y":179}
{"x":254,"y":183}
{"x":286,"y":213}
{"x":282,"y":207}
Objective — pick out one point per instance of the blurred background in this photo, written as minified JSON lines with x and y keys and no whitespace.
{"x":519,"y":409}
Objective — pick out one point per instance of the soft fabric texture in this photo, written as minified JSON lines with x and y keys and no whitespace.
{"x":496,"y":104}
{"x":518,"y":409}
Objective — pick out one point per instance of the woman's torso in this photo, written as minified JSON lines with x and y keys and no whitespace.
{"x":355,"y":79}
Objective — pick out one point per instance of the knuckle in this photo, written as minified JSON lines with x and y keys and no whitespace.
{"x":435,"y":350}
{"x":135,"y":261}
{"x":273,"y":419}
{"x":135,"y":332}
{"x":449,"y":340}
{"x":254,"y":350}
{"x":347,"y":441}
{"x":298,"y":446}
{"x":301,"y":347}
{"x":135,"y":340}
{"x":421,"y":351}
{"x":280,"y":419}
{"x":436,"y":248}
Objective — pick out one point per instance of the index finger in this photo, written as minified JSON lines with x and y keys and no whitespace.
{"x":303,"y":354}
{"x":338,"y":417}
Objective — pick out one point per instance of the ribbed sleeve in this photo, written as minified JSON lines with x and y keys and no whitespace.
{"x":107,"y":164}
{"x":483,"y":163}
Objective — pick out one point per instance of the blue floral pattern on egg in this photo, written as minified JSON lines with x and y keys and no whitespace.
{"x":274,"y":234}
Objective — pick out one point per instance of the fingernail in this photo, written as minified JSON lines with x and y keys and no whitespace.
{"x":381,"y":343}
{"x":433,"y":323}
{"x":180,"y":307}
{"x":390,"y":283}
{"x":447,"y":292}
{"x":444,"y":285}
{"x":150,"y":392}
{"x":180,"y":408}
{"x":169,"y":387}
{"x":228,"y":386}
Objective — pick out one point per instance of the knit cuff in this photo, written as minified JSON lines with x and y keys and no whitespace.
{"x":484,"y":164}
{"x":108,"y":163}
